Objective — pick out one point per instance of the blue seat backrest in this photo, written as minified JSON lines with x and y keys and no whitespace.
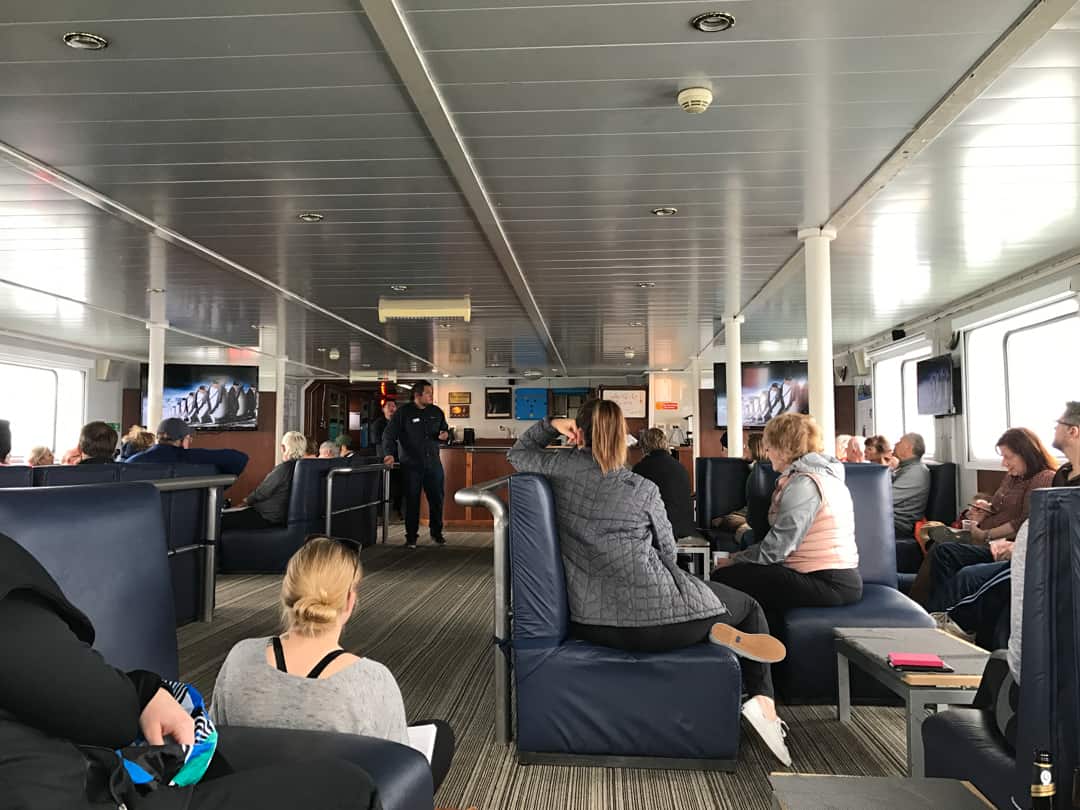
{"x":871,"y":492}
{"x":67,"y":475}
{"x":538,"y":581}
{"x":1049,"y":712}
{"x":720,"y":485}
{"x":145,"y":472}
{"x":762,"y":483}
{"x":16,"y":476}
{"x":941,"y":505}
{"x":307,"y":500}
{"x":105,"y":546}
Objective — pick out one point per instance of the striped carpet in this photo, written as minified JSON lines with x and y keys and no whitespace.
{"x":427,"y":615}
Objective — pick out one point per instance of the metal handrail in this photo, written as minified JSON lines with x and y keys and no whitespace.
{"x":384,"y":499}
{"x":214,"y":485}
{"x":484,"y":494}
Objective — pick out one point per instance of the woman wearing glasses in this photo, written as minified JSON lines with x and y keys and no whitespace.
{"x":304,"y":679}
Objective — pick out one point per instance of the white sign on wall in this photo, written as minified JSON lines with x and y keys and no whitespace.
{"x":632,"y":402}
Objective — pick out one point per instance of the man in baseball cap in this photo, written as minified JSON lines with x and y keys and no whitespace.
{"x":174,"y":438}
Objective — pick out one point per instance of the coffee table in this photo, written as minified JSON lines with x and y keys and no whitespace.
{"x":868,"y":649}
{"x":811,"y":791}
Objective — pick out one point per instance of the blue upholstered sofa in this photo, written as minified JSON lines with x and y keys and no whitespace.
{"x":671,"y":710}
{"x":963,"y":743}
{"x":809,"y":674}
{"x":105,"y":546}
{"x":184,"y":514}
{"x":269,"y":550}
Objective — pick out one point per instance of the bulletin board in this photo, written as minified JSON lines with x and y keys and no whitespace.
{"x":530,"y":404}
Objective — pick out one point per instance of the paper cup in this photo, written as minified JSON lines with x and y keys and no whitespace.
{"x":717,"y":556}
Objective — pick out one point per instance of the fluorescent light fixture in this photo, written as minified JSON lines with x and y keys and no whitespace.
{"x":373,"y":376}
{"x":424,"y":308}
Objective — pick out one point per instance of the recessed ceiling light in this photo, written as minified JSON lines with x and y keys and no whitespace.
{"x":665,"y":369}
{"x":81,"y":41}
{"x":310,"y":216}
{"x":434,"y":370}
{"x":713,"y":22}
{"x":334,"y":354}
{"x":444,"y":326}
{"x":446,"y":375}
{"x":636,"y":324}
{"x":254,"y":326}
{"x":476,"y":348}
{"x":646,"y":285}
{"x":665,"y":211}
{"x":321,"y":349}
{"x":399,"y":287}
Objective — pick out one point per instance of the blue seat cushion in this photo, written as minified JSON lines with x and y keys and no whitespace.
{"x":964,"y":743}
{"x":809,"y":672}
{"x":578,"y":698}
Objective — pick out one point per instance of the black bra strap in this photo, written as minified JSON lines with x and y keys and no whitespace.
{"x":279,"y":654}
{"x":324,"y":663}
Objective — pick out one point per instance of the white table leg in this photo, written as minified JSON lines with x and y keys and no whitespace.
{"x":843,"y":689}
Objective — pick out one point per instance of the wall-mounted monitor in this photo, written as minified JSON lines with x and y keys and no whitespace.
{"x":208,"y":397}
{"x":936,"y":386}
{"x":768,"y":389}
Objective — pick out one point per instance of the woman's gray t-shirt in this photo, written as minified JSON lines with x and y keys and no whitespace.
{"x":363,"y":698}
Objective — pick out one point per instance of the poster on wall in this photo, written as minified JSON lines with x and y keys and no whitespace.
{"x":459,"y":411}
{"x":460,"y":397}
{"x":497,"y":403}
{"x":864,"y":411}
{"x":632,"y":401}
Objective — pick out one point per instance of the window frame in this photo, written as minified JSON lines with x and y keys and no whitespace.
{"x":971,"y":460}
{"x":14,"y":356}
{"x":913,"y":346}
{"x":56,"y":389}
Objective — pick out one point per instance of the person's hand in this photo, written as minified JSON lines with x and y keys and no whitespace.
{"x":164,"y":717}
{"x":388,"y":461}
{"x":891,"y":461}
{"x":980,"y":535}
{"x":569,"y":429}
{"x":1001,"y":549}
{"x":443,"y":436}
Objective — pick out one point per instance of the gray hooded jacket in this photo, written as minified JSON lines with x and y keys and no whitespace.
{"x":799,"y":506}
{"x":617,"y":546}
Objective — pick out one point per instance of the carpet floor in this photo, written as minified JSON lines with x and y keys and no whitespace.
{"x":427,"y":615}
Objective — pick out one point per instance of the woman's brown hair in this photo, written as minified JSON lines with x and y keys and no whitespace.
{"x":755,"y":446}
{"x":879,"y":443}
{"x":601,"y":420}
{"x":1030,"y":448}
{"x":793,"y":435}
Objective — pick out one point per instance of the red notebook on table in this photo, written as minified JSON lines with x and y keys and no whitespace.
{"x":918,"y":662}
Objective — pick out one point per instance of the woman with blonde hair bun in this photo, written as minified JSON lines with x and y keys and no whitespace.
{"x":305,"y":679}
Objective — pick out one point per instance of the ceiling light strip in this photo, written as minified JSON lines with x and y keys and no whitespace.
{"x":401,"y":47}
{"x":54,"y":177}
{"x":1028,"y":29}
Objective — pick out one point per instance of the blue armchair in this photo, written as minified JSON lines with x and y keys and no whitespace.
{"x":584,"y":704}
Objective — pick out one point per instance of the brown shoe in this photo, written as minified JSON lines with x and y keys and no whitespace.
{"x":755,"y":646}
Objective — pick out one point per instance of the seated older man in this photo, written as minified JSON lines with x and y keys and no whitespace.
{"x":910,"y":485}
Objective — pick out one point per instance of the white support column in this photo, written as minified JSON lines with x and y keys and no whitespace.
{"x":155,"y":385}
{"x":279,"y":411}
{"x":733,"y":368}
{"x":695,"y":409}
{"x":819,"y":329}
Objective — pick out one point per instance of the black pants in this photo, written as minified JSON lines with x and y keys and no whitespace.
{"x":246,"y":518}
{"x":326,"y":784}
{"x":431,"y":481}
{"x":946,"y":561}
{"x":443,"y":753}
{"x":740,"y":611}
{"x":986,"y":610}
{"x":778,"y":588}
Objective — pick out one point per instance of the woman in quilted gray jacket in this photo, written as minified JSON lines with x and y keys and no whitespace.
{"x":624,"y":587}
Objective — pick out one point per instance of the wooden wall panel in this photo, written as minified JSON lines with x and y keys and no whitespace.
{"x":260,"y":444}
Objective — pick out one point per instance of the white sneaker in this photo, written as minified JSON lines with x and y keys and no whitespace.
{"x":944,"y":622}
{"x":772,"y":732}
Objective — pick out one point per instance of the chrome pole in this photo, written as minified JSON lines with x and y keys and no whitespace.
{"x":386,"y":504}
{"x":484,"y":495}
{"x":209,"y":589}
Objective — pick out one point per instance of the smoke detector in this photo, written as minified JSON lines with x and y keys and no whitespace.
{"x":695,"y":99}
{"x":628,"y":353}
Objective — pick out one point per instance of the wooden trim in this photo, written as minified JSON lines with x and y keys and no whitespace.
{"x":976,"y":793}
{"x":941,"y":679}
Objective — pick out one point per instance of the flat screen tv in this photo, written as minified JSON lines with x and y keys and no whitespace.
{"x":208,"y":397}
{"x":768,"y":389}
{"x":935,"y":387}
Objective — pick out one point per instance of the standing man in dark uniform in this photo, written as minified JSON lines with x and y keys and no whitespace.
{"x":378,"y":429}
{"x":417,"y":428}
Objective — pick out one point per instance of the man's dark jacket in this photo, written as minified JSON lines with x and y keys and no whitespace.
{"x":416,"y":431}
{"x":673,"y":481}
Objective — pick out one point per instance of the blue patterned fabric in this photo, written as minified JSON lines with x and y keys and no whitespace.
{"x":173,"y":764}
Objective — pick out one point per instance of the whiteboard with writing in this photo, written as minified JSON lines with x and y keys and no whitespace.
{"x":632,"y":402}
